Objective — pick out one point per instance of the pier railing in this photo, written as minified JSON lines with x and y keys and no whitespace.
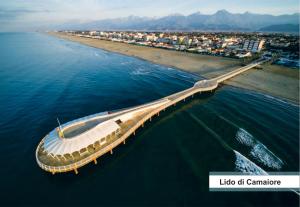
{"x":174,"y":98}
{"x":200,"y":86}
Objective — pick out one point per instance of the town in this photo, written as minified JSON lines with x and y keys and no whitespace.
{"x":283,"y":49}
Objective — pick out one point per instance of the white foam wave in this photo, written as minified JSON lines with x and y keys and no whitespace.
{"x":140,"y":71}
{"x":279,"y":100}
{"x":184,"y":75}
{"x":245,"y":137}
{"x":262,"y":154}
{"x":258,"y":150}
{"x":243,"y":164}
{"x":125,"y":63}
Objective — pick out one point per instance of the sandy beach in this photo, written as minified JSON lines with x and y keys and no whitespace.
{"x":278,"y":81}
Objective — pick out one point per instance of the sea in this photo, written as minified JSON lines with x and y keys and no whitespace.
{"x":167,"y":163}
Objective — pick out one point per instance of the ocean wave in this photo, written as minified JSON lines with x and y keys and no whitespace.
{"x":258,"y":150}
{"x":244,"y":165}
{"x":140,"y":71}
{"x":245,"y":137}
{"x":279,"y":100}
{"x":262,"y":154}
{"x":183,"y":75}
{"x":125,"y":63}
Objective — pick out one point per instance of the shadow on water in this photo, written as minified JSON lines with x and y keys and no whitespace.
{"x":119,"y":152}
{"x":165,"y":140}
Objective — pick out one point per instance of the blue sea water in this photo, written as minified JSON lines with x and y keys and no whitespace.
{"x":166,"y":163}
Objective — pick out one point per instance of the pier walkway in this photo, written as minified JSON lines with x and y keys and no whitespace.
{"x":82,"y":141}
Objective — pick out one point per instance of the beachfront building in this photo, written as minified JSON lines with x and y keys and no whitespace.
{"x":164,"y":40}
{"x":94,"y":33}
{"x":174,"y":39}
{"x":195,"y":42}
{"x":150,"y":37}
{"x":253,"y":45}
{"x":161,"y":35}
{"x":243,"y":54}
{"x":185,"y":40}
{"x":221,"y":44}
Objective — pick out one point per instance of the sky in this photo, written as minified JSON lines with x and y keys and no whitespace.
{"x":27,"y":15}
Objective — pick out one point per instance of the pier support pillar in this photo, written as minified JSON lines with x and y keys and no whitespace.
{"x":53,"y":172}
{"x":95,"y":161}
{"x":111,"y":151}
{"x":134,"y":133}
{"x":158,"y":114}
{"x":124,"y":142}
{"x":142,"y":124}
{"x":76,"y":171}
{"x":150,"y":118}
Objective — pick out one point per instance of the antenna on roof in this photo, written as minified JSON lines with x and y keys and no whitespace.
{"x":61,"y":134}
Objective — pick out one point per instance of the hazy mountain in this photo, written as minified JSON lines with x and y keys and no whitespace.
{"x":281,"y":28}
{"x":221,"y":20}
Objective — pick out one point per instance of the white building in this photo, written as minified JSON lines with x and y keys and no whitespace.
{"x":243,"y":54}
{"x":92,"y":33}
{"x":253,"y":45}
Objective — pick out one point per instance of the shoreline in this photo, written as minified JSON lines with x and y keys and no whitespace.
{"x":274,"y":80}
{"x":140,"y":58}
{"x":205,"y":66}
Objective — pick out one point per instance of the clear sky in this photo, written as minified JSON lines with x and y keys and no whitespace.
{"x":20,"y":15}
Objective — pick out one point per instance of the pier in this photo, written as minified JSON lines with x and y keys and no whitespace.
{"x":82,"y":141}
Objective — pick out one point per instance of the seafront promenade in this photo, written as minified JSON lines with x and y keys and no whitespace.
{"x":82,"y":141}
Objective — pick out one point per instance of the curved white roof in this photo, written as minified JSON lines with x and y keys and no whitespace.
{"x":56,"y":145}
{"x":59,"y":146}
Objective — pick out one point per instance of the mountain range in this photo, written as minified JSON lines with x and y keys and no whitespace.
{"x":220,"y":21}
